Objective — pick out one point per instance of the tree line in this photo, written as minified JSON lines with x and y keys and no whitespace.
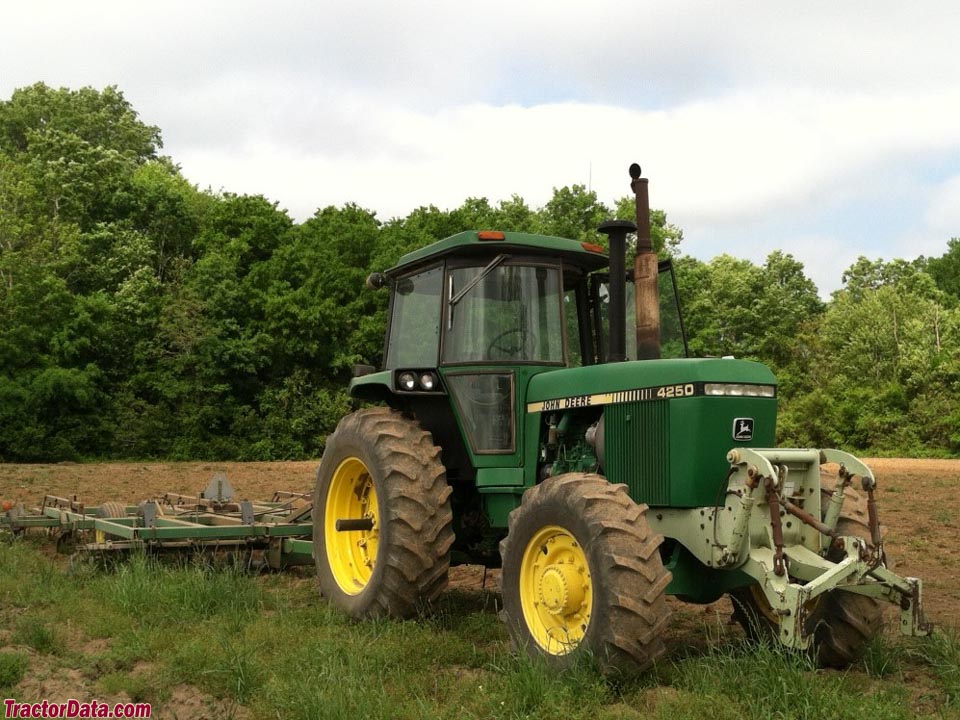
{"x":143,"y":318}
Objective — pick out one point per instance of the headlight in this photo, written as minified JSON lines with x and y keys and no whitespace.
{"x":739,"y":390}
{"x":418,"y":380}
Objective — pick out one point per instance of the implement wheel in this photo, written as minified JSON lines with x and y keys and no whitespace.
{"x":112,"y":509}
{"x":841,"y":623}
{"x":381,"y":480}
{"x":582,"y":576}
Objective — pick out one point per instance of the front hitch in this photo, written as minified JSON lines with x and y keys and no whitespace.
{"x":790,"y":561}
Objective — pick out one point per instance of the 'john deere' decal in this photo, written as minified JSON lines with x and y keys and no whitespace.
{"x":662,"y":392}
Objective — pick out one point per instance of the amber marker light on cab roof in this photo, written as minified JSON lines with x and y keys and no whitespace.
{"x":490,"y":235}
{"x":591,"y":247}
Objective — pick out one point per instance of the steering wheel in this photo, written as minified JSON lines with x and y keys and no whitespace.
{"x":506,"y":349}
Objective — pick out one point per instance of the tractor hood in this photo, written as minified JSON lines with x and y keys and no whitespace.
{"x":575,"y":387}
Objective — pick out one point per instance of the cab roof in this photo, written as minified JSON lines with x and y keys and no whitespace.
{"x":486,"y":243}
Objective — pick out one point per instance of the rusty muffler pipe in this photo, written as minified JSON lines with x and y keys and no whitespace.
{"x":645,"y":274}
{"x":616,"y":231}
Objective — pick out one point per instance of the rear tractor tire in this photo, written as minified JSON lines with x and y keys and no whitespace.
{"x":381,"y":479}
{"x":842,"y":623}
{"x":582,"y":576}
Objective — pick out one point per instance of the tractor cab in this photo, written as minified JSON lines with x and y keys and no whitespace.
{"x":511,"y":303}
{"x":473,"y":318}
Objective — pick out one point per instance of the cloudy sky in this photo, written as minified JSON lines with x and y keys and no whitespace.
{"x":825,"y":129}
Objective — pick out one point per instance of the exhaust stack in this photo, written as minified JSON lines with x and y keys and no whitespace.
{"x":645,"y":274}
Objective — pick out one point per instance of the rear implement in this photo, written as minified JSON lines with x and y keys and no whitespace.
{"x":272,"y":533}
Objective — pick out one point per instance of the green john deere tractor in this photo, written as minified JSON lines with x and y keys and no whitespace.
{"x":519,"y":424}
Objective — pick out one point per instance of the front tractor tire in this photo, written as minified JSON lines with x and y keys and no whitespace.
{"x":842,"y":624}
{"x":381,"y":480}
{"x":582,"y":576}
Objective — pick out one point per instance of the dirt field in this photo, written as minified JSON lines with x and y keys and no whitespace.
{"x":918,"y":500}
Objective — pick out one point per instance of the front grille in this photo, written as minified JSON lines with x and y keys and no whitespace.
{"x":637,"y":449}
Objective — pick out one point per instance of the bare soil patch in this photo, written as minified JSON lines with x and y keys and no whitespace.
{"x":132,"y":482}
{"x":919,"y":509}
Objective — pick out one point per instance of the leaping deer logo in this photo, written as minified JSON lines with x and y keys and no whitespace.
{"x":743,"y":429}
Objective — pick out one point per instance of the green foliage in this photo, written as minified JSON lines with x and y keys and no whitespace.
{"x":573,"y":212}
{"x":945,"y":270}
{"x":875,"y":370}
{"x":143,"y":318}
{"x":885,"y":358}
{"x":733,"y":307}
{"x":99,"y":118}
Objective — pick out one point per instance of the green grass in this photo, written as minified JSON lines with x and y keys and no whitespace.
{"x":268,"y":644}
{"x":36,"y":632}
{"x":883,"y":659}
{"x":13,"y":667}
{"x":941,"y":653}
{"x":762,"y":681}
{"x":159,"y":594}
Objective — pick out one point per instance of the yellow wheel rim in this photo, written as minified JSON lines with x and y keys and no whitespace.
{"x":351,"y":554}
{"x":555,"y":590}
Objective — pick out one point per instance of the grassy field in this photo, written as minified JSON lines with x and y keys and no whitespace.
{"x":198,"y":642}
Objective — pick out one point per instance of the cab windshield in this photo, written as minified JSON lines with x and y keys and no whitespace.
{"x":504,"y":312}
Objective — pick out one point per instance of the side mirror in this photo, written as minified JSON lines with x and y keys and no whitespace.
{"x":376,"y":280}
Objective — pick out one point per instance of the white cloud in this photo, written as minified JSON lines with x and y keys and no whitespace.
{"x":724,"y":162}
{"x":936,"y":221}
{"x":943,"y":212}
